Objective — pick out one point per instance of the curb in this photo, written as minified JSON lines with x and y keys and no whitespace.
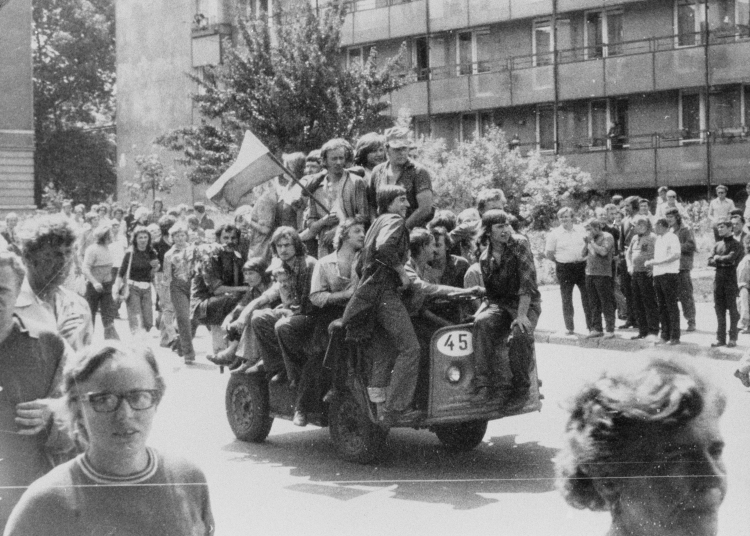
{"x":623,"y":345}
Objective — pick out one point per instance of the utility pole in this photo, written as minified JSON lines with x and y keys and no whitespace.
{"x":706,"y":35}
{"x":556,"y":104}
{"x":429,"y":68}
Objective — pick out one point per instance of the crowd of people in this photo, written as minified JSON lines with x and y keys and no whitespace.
{"x":350,"y":241}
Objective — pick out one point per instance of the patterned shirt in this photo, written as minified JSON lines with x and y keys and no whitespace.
{"x":178,"y":264}
{"x":300,"y":270}
{"x":514,"y":275}
{"x":414,"y":178}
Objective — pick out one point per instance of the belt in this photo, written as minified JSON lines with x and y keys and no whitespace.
{"x":140,"y":284}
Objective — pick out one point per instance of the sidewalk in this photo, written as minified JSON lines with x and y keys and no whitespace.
{"x":551,"y":329}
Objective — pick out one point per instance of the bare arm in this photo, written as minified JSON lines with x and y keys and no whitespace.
{"x":424,"y":207}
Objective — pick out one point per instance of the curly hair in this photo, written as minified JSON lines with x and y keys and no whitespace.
{"x":342,"y":231}
{"x":614,"y":419}
{"x":291,"y":234}
{"x":53,"y":230}
{"x":334,"y":145}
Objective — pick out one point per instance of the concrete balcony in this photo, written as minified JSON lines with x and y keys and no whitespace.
{"x":408,"y":19}
{"x":490,"y":90}
{"x":386,"y":19}
{"x":629,"y":74}
{"x":450,"y":95}
{"x":581,"y":80}
{"x":532,"y":85}
{"x":728,"y":62}
{"x":412,"y":97}
{"x":678,"y":68}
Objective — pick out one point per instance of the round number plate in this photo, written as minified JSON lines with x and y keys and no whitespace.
{"x":456,"y":343}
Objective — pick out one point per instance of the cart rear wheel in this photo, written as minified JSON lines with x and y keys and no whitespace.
{"x":356,"y":437}
{"x":247,"y":407}
{"x":463,"y":436}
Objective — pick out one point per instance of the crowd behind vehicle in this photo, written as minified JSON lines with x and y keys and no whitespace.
{"x":350,"y":242}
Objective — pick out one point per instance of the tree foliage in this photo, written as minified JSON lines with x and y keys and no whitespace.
{"x":150,"y":178}
{"x":73,"y":49}
{"x":289,"y":85}
{"x":536,"y":186}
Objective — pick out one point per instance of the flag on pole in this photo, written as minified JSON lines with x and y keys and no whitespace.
{"x":254,"y":166}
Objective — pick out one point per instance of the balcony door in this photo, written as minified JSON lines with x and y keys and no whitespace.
{"x":603,"y":34}
{"x":474,"y":51}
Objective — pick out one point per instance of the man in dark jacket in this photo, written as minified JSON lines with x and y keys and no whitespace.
{"x":725,"y":257}
{"x":687,"y":245}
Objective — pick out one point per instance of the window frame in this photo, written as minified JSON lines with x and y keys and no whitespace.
{"x":605,"y":14}
{"x":475,"y":67}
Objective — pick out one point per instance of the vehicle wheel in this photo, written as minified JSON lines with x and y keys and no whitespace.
{"x":357,"y":439}
{"x":247,"y":407}
{"x":463,"y":436}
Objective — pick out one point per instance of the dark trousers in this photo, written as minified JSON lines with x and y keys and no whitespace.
{"x":492,"y":325}
{"x":686,"y":297}
{"x":103,"y":302}
{"x":180,"y":294}
{"x":601,"y":292}
{"x":626,"y":286}
{"x":644,"y":299}
{"x":570,"y":275}
{"x":725,"y":299}
{"x":667,"y":289}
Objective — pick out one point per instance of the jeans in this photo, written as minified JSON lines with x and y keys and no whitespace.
{"x":281,"y":340}
{"x":601,"y":292}
{"x":725,"y":299}
{"x":686,"y":296}
{"x":570,"y":275}
{"x":394,"y":332}
{"x":103,"y":302}
{"x":140,"y":309}
{"x":179,"y":292}
{"x":667,"y":289}
{"x":491,"y":325}
{"x":644,"y":299}
{"x":166,"y":322}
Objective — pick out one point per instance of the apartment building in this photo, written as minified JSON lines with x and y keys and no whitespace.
{"x":640,"y":93}
{"x":16,"y":107}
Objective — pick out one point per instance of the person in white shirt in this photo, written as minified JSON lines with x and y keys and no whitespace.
{"x":666,"y":267}
{"x":719,"y":208}
{"x":564,"y":246}
{"x":671,"y":202}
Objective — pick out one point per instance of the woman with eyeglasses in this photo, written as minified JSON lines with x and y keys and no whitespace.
{"x":118,"y":485}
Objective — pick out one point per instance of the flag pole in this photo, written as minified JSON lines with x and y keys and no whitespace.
{"x":296,"y":181}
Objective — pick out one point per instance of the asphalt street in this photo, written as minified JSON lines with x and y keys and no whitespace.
{"x":293,"y":484}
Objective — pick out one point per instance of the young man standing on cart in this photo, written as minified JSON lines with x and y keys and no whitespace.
{"x":512,"y":309}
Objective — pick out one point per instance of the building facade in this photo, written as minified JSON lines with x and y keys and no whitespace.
{"x":640,"y":93}
{"x":16,"y":107}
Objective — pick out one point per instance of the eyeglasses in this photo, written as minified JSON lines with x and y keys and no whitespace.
{"x":138,"y":400}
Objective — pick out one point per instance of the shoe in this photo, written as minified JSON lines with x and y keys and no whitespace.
{"x":731,"y":344}
{"x":241,"y":368}
{"x":594,"y":334}
{"x":717,"y":344}
{"x":570,"y":332}
{"x":220,"y":360}
{"x":742,"y":377}
{"x":626,"y":325}
{"x":636,"y":337}
{"x":608,"y":335}
{"x":652,"y":338}
{"x":674,"y":342}
{"x":279,"y":378}
{"x":300,"y":419}
{"x":189,"y":360}
{"x":661,"y":342}
{"x":691,"y":327}
{"x":481,"y":396}
{"x":256,"y":368}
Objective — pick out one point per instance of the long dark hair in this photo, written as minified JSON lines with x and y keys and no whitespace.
{"x":133,"y":240}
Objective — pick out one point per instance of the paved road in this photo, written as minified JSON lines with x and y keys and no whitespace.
{"x":294,"y":485}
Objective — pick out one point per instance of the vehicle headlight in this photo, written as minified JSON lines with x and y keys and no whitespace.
{"x":453,"y":374}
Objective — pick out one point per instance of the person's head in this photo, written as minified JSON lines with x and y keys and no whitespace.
{"x":48,"y":246}
{"x":644,"y":443}
{"x":67,"y":207}
{"x":193,"y":222}
{"x":111,"y":394}
{"x":286,"y":243}
{"x":565,"y":216}
{"x":671,"y":198}
{"x":491,"y":199}
{"x":141,"y":215}
{"x":157,"y":207}
{"x":174,"y":212}
{"x":103,"y":210}
{"x":643,"y":207}
{"x":11,"y":220}
{"x":79,"y":211}
{"x":442,"y":242}
{"x":336,"y":154}
{"x":240,"y":217}
{"x":391,"y":198}
{"x":134,"y":205}
{"x":165,"y":224}
{"x":662,"y":191}
{"x":617,"y":200}
{"x":155,"y":231}
{"x":115,"y":225}
{"x":295,"y":162}
{"x":661,"y":226}
{"x":642,"y":225}
{"x":117,"y":212}
{"x":103,"y":235}
{"x":721,"y":191}
{"x":141,"y":239}
{"x":738,"y":221}
{"x":398,"y":140}
{"x":350,"y":232}
{"x":227,"y":235}
{"x":179,"y":234}
{"x":496,"y":226}
{"x":621,"y":214}
{"x":313,"y":162}
{"x":468,"y":215}
{"x":370,"y":150}
{"x":255,"y":272}
{"x":92,"y":218}
{"x":674,"y":218}
{"x":724,"y":227}
{"x":611,"y":210}
{"x":632,"y":204}
{"x":421,"y":245}
{"x":11,"y":278}
{"x":593,"y":227}
{"x":443,"y":218}
{"x":199,"y":208}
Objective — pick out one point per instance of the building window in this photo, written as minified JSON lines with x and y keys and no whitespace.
{"x":545,"y":128}
{"x":689,"y":22}
{"x":619,"y":129}
{"x":421,"y":127}
{"x":358,"y":55}
{"x":438,"y":56}
{"x":603,"y":34}
{"x":691,"y":116}
{"x":725,"y":109}
{"x":421,"y":58}
{"x":468,"y":127}
{"x":598,"y":123}
{"x":473,"y":51}
{"x":542,"y":40}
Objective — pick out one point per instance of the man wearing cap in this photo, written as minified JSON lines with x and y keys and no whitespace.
{"x":206,"y":223}
{"x":725,"y":257}
{"x":400,"y":169}
{"x":719,"y":208}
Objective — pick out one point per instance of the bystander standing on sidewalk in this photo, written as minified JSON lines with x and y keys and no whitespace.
{"x":666,"y":266}
{"x":599,"y":250}
{"x":640,"y":251}
{"x":725,"y":257}
{"x":687,"y":252}
{"x":719,"y":208}
{"x":564,"y":247}
{"x":627,"y":230}
{"x":743,"y":284}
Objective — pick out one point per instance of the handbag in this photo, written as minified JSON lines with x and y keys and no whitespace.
{"x":124,"y":291}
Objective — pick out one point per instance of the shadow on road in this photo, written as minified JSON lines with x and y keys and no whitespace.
{"x":414,"y":467}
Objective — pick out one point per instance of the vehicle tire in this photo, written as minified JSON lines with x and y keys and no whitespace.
{"x":356,"y":438}
{"x":461,"y":437}
{"x":247,"y":407}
